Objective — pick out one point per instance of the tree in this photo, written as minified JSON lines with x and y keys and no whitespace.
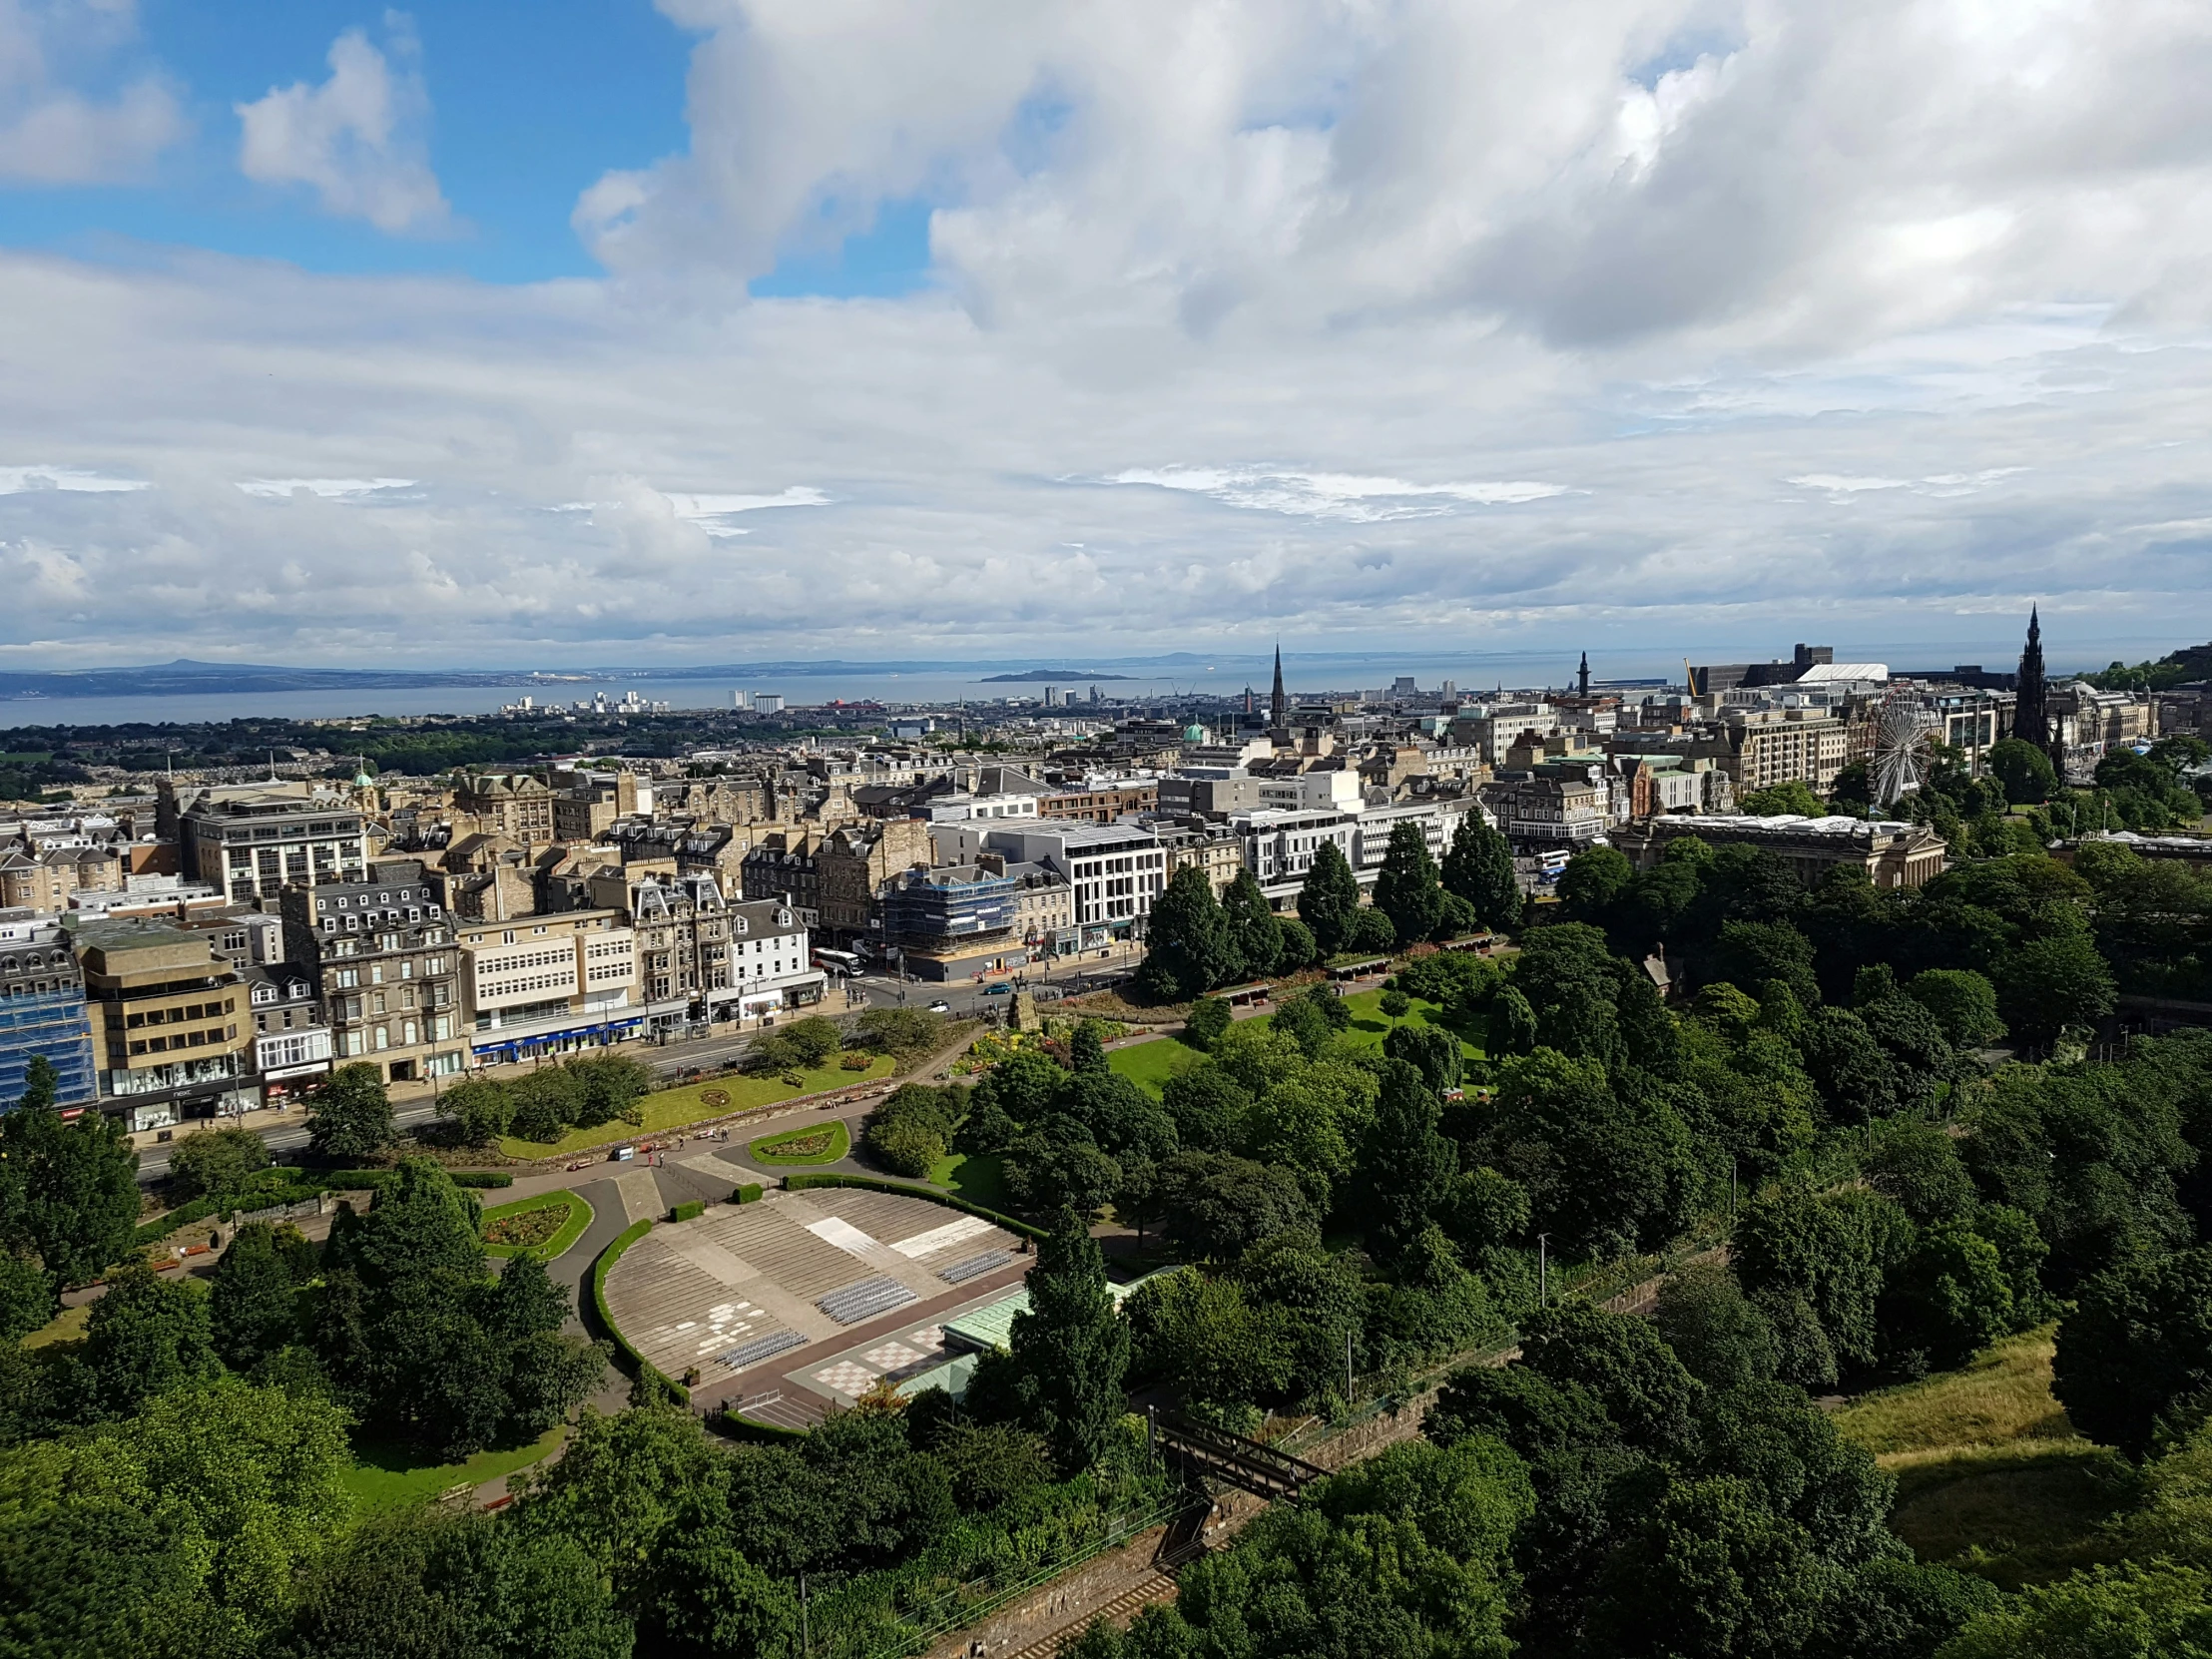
{"x":1216,"y":1205}
{"x":1573,"y":983}
{"x":1603,"y":1173}
{"x":609,"y":1085}
{"x":1749,"y":953}
{"x":1086,"y":1054}
{"x":479,"y":1110}
{"x":814,"y":1039}
{"x":1072,"y":1350}
{"x":1208,"y":1019}
{"x":709,"y":1600}
{"x":2102,"y":1612}
{"x":2049,"y":985}
{"x":1395,"y":1004}
{"x":1592,"y":881}
{"x":217,"y":1163}
{"x":253,"y":1307}
{"x":27,"y":1299}
{"x":1711,"y":1573}
{"x":1718,"y":1333}
{"x":1857,"y":1080}
{"x":1328,"y":900}
{"x":1255,"y":932}
{"x":145,"y":1338}
{"x":68,"y":1190}
{"x":418,"y":1225}
{"x":1299,"y":947}
{"x":550,"y":1100}
{"x":177,"y":1531}
{"x":1430,"y":1049}
{"x":1962,"y":1002}
{"x":349,"y":1115}
{"x":1208,"y":1106}
{"x":1408,"y":1168}
{"x":1188,"y":950}
{"x":548,"y":1373}
{"x":1406,"y":887}
{"x":1919,"y":1164}
{"x":1949,"y":1299}
{"x":1203,"y":1335}
{"x":1793,"y":797}
{"x":1828,"y":1251}
{"x":2134,"y":1358}
{"x":1479,"y":868}
{"x":1512,"y":1023}
{"x":2024,"y":770}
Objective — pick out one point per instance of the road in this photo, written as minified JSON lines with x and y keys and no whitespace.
{"x":966,"y":999}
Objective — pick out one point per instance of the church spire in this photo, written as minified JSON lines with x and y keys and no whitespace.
{"x":2030,"y":706}
{"x":1582,"y":676}
{"x":1279,"y":706}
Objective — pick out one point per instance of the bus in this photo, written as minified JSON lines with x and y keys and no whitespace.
{"x":836,"y":961}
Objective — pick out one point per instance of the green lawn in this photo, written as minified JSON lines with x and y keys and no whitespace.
{"x":697,"y":1102}
{"x":977,"y":1177}
{"x":1151,"y":1064}
{"x":388,"y":1478}
{"x":1369,"y":1025}
{"x":579,"y":1218}
{"x":67,"y":1326}
{"x":797,"y":1146}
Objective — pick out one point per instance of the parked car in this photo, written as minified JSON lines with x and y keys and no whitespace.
{"x":622,"y":1154}
{"x":940,"y":1006}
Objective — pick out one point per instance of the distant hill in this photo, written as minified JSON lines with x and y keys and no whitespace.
{"x":1051,"y":674}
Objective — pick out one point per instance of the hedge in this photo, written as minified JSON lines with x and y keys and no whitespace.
{"x":739,"y":1426}
{"x":632,"y":1360}
{"x":690,"y":1209}
{"x":339,"y":1179}
{"x":799,"y":1183}
{"x":750,"y":1193}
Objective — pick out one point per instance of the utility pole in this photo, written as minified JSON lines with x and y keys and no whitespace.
{"x":1347,"y":1370}
{"x":806,"y":1640}
{"x":1543,"y":1295}
{"x":1732,"y":1186}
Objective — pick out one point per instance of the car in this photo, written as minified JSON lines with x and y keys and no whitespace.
{"x":940,"y":1006}
{"x":998,"y":990}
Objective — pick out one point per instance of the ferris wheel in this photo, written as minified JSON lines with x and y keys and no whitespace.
{"x":1904,"y":734}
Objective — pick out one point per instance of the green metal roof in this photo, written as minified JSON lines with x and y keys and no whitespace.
{"x":992,"y":1325}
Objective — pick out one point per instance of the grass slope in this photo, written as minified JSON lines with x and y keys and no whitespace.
{"x":388,"y":1478}
{"x":977,"y":1177}
{"x":774,"y":1150}
{"x":1150,"y":1064}
{"x":579,"y":1217}
{"x":1991,"y":1477}
{"x":680,"y":1108}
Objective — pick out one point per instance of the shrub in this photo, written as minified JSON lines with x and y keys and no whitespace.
{"x":750,"y":1193}
{"x":1202,"y":1026}
{"x":690,"y":1209}
{"x":813,"y":1040}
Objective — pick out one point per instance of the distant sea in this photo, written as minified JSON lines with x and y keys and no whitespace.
{"x":1224,"y":676}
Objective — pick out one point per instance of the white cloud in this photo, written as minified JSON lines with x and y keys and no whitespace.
{"x":1461,"y":324}
{"x":331,"y":489}
{"x":1333,"y":494}
{"x":15,"y":479}
{"x":360,"y":139}
{"x":55,"y":132}
{"x":712,"y":513}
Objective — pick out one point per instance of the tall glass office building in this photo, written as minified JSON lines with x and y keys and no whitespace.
{"x":42,"y":1009}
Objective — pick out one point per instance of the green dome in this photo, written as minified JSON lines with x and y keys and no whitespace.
{"x":1194,"y":733}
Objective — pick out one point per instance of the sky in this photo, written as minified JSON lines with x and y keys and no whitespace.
{"x":586,"y":332}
